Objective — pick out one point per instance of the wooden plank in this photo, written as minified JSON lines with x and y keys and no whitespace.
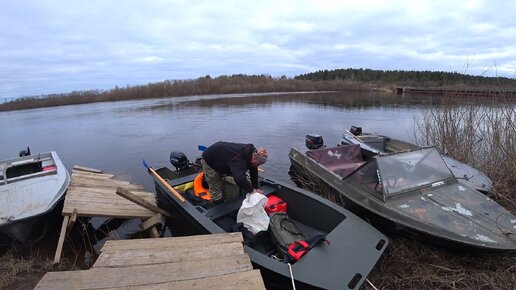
{"x":86,"y":173}
{"x":127,"y":194}
{"x":71,"y":222}
{"x":172,"y":242}
{"x":96,"y":197}
{"x":75,"y":174}
{"x":154,"y":220}
{"x":74,"y":190}
{"x":87,"y":169}
{"x":92,"y":211}
{"x":60,"y":242}
{"x":98,"y":278}
{"x":249,"y":280}
{"x":186,"y":252}
{"x":109,"y":183}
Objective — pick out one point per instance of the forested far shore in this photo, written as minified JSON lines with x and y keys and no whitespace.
{"x":327,"y":80}
{"x":412,"y":78}
{"x":172,"y":88}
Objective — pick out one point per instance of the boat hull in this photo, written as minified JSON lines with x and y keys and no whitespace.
{"x":361,"y":250}
{"x":353,"y":197}
{"x":31,"y":187}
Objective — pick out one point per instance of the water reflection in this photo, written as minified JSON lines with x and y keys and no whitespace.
{"x":350,"y":100}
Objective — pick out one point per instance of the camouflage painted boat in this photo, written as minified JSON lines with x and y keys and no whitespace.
{"x":380,"y":144}
{"x":413,"y":190}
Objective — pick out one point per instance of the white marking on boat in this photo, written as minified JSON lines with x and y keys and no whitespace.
{"x":462,"y":188}
{"x":404,"y":206}
{"x":483,"y":238}
{"x":437,"y":183}
{"x":459,"y":209}
{"x":334,"y":154}
{"x":513,"y":221}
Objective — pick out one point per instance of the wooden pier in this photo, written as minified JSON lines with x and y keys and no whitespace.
{"x":455,"y":92}
{"x":214,"y":261}
{"x":94,"y":194}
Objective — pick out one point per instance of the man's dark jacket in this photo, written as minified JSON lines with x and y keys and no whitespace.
{"x":233,"y":159}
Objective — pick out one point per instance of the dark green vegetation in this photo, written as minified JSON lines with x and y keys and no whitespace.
{"x":410,"y":78}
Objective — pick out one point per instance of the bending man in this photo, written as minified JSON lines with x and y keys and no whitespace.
{"x":235,"y":159}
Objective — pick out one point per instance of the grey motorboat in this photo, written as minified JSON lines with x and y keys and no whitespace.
{"x":355,"y":246}
{"x":30,"y":187}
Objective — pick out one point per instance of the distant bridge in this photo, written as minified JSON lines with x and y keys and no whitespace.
{"x":456,"y":92}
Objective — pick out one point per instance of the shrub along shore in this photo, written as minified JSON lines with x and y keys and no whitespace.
{"x":201,"y":86}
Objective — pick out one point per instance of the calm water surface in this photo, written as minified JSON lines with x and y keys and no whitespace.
{"x":116,"y":136}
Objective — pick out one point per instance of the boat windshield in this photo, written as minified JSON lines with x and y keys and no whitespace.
{"x":411,"y":170}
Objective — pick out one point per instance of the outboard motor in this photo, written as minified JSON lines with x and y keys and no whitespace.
{"x":357,"y":131}
{"x":179,"y":160}
{"x":314,"y":141}
{"x":24,"y":152}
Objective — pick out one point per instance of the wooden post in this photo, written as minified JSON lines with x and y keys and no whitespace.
{"x":60,"y":243}
{"x":72,"y":220}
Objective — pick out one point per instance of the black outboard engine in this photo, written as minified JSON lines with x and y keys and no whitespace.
{"x":314,"y":141}
{"x":179,"y":160}
{"x":357,"y":131}
{"x":24,"y":152}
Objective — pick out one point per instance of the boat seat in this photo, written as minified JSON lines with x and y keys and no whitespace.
{"x":232,"y":206}
{"x":341,"y":159}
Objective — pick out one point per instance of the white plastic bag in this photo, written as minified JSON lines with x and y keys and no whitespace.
{"x":252,"y":213}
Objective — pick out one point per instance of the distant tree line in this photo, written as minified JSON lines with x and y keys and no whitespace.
{"x":410,"y":78}
{"x":324,"y":80}
{"x":170,"y":88}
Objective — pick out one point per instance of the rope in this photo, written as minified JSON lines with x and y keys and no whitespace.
{"x":291,"y":276}
{"x":371,"y":284}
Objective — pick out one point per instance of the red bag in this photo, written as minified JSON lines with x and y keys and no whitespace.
{"x":275,"y":204}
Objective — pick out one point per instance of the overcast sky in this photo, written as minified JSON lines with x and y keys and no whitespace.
{"x":60,"y":46}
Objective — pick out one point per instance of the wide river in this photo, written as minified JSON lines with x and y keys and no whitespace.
{"x":116,"y":136}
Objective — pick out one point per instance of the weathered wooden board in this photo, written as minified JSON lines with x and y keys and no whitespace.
{"x":99,"y":278}
{"x":87,"y":169}
{"x":91,"y":175}
{"x":106,"y":197}
{"x":173,"y":242}
{"x":249,"y":280}
{"x":109,"y":183}
{"x":160,"y":256}
{"x":140,"y":201}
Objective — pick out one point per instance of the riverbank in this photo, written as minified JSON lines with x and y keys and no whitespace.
{"x":201,"y":86}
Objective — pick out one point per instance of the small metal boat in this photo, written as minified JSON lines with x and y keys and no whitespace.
{"x":380,"y":144}
{"x":413,"y":191}
{"x":355,"y":246}
{"x":30,"y":187}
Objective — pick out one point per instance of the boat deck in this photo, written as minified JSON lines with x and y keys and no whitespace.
{"x":214,"y":261}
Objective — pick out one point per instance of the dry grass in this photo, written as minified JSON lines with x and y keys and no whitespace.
{"x":16,"y":263}
{"x":481,"y":133}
